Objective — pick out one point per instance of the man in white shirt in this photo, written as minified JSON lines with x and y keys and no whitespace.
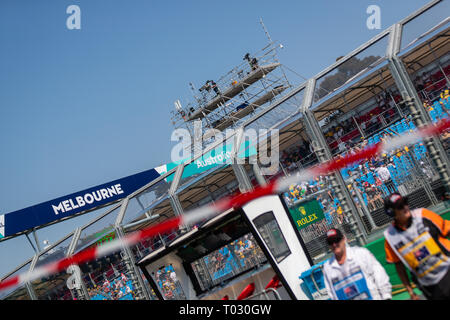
{"x":353,"y":273}
{"x":385,"y":177}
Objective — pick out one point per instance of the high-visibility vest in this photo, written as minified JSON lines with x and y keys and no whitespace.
{"x":418,"y":251}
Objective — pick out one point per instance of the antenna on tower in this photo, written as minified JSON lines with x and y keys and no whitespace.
{"x":178,"y":106}
{"x":265,"y":30}
{"x":192,"y":87}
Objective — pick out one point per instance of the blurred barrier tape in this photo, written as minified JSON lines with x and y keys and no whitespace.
{"x":197,"y":215}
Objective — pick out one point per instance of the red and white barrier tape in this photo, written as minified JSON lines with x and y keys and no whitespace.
{"x":194,"y":216}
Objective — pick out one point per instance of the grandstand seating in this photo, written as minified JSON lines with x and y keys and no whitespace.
{"x":402,"y":164}
{"x":113,"y":295}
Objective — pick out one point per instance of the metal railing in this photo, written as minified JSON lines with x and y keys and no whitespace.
{"x":265,"y":293}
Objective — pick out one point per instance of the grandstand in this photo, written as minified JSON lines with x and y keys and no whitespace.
{"x":360,"y":100}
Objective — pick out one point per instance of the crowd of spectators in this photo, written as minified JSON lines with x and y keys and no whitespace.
{"x":168,"y":283}
{"x":237,"y":256}
{"x":384,"y":109}
{"x":119,"y":288}
{"x":429,"y":84}
{"x":372,"y":180}
{"x":230,"y":260}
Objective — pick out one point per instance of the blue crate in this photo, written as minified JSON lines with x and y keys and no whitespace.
{"x":316,"y":273}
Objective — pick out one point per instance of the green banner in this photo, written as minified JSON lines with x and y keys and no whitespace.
{"x":306,"y":213}
{"x":218,"y":156}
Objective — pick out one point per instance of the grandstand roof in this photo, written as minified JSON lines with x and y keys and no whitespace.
{"x":421,"y":55}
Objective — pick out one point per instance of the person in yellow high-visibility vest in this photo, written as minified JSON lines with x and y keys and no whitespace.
{"x":417,"y":240}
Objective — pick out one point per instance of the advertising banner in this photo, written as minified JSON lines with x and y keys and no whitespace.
{"x":72,"y":204}
{"x":219,"y":156}
{"x":306,"y":213}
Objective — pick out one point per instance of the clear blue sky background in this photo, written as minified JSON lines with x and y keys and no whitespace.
{"x":82,"y":107}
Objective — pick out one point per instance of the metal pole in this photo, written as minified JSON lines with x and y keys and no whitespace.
{"x":81,"y":290}
{"x":439,"y":64}
{"x":420,"y":118}
{"x":423,"y":178}
{"x":259,"y":177}
{"x":323,"y":154}
{"x":359,"y":128}
{"x":365,"y":210}
{"x":28,"y":284}
{"x":178,"y":210}
{"x":31,"y":243}
{"x":31,"y":291}
{"x":130,"y":264}
{"x":241,"y":176}
{"x":342,"y":194}
{"x":36,"y":240}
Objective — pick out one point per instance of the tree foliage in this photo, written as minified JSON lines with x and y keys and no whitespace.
{"x":344,"y":72}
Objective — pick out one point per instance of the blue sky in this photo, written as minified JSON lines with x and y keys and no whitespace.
{"x":82,"y":107}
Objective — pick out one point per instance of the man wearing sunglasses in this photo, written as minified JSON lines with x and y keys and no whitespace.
{"x":353,"y":273}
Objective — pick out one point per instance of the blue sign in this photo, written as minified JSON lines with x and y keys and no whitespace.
{"x":72,"y":204}
{"x":353,"y":287}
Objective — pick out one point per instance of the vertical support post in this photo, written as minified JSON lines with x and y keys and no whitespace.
{"x":30,"y":291}
{"x":258,"y":174}
{"x":420,"y":116}
{"x":31,"y":243}
{"x":81,"y":290}
{"x":425,"y":181}
{"x":359,"y":128}
{"x":245,"y":184}
{"x":241,"y":175}
{"x":365,"y":210}
{"x":178,"y":210}
{"x":173,"y":197}
{"x":36,"y":240}
{"x":323,"y":153}
{"x":130,"y":263}
{"x":122,"y":211}
{"x":28,"y":285}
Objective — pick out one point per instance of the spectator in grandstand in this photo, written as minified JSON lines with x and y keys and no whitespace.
{"x":427,"y":105}
{"x":374,"y":199}
{"x":385,"y":176}
{"x":353,"y":273}
{"x":444,"y":101}
{"x":173,"y":276}
{"x":446,"y":140}
{"x":342,"y":146}
{"x":417,"y":239}
{"x":426,"y":170}
{"x":106,"y":284}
